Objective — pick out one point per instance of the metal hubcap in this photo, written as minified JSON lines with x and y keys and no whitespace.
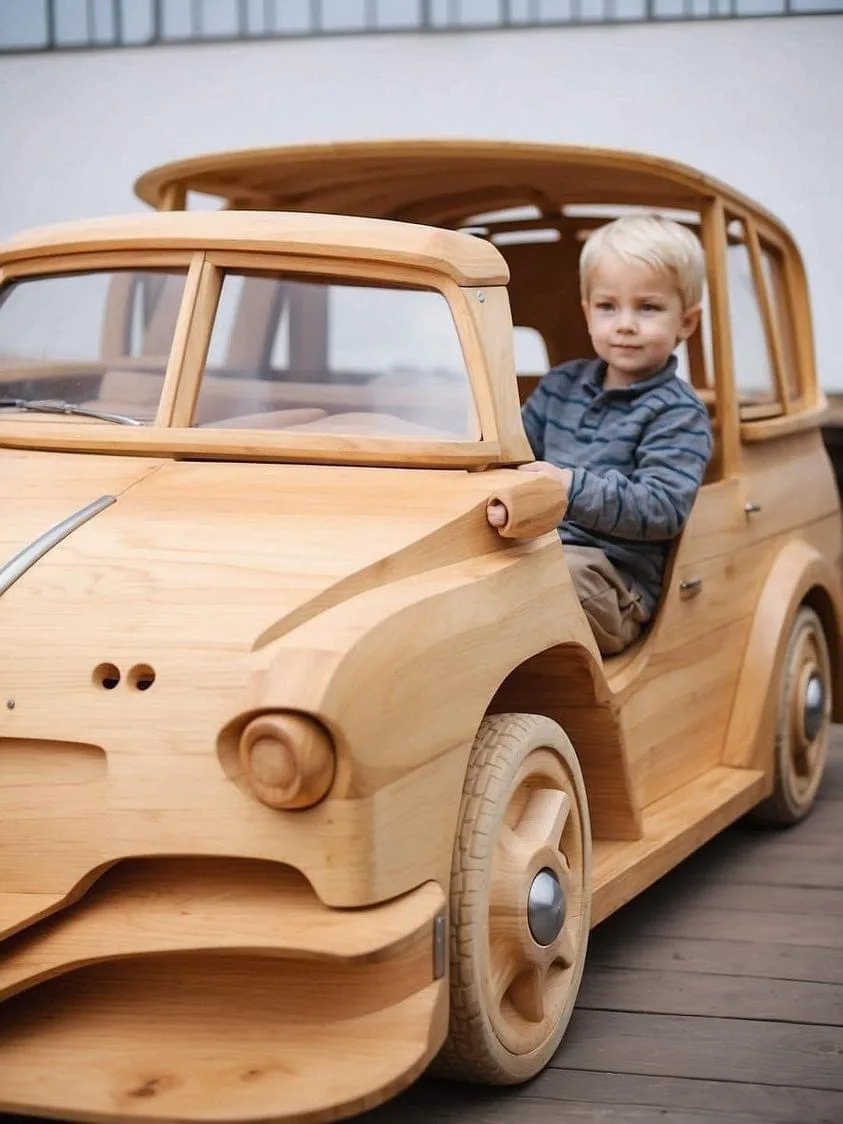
{"x":546,"y":908}
{"x":813,"y":707}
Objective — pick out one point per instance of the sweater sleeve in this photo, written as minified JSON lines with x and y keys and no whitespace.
{"x":655,"y":501}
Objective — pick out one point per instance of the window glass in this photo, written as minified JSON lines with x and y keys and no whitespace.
{"x":777,"y":288}
{"x":694,"y":356}
{"x":530,"y":351}
{"x":754,"y":377}
{"x":326,"y":356}
{"x":98,"y":340}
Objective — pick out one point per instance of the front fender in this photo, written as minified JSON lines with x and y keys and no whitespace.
{"x":405,"y":672}
{"x":799,"y":573}
{"x":402,"y":676}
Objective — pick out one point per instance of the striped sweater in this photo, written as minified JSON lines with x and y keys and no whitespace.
{"x":638,"y":456}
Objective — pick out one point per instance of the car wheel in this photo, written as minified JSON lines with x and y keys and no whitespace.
{"x":520,"y":901}
{"x":801,"y":745}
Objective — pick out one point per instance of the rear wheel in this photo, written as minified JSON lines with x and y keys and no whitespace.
{"x":804,"y":722}
{"x":520,"y":901}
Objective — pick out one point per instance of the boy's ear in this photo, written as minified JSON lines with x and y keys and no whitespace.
{"x":690,"y":322}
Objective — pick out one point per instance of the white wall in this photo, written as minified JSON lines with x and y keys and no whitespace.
{"x":754,"y":102}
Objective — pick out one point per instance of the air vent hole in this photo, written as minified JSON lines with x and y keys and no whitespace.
{"x":106,"y":675}
{"x":141,"y":677}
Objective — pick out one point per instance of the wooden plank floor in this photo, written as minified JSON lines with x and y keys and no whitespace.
{"x":715,"y":997}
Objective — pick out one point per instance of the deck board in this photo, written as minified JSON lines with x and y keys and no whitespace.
{"x":715,"y":997}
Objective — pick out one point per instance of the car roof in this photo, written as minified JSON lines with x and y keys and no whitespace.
{"x":442,"y":182}
{"x":461,"y":257}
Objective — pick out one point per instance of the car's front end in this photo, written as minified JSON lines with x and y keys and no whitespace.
{"x":247,"y":626}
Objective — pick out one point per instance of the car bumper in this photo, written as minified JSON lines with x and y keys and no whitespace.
{"x":220,"y":992}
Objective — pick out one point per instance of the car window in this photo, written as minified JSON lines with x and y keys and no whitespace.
{"x":96,"y":339}
{"x":776,"y":282}
{"x":530,"y":351}
{"x":332,"y":356}
{"x":754,"y":374}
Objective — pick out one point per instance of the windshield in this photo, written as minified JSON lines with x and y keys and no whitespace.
{"x":335,"y":357}
{"x":95,"y":344}
{"x":318,"y":355}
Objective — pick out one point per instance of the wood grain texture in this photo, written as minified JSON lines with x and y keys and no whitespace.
{"x":534,"y":504}
{"x":405,"y":177}
{"x":144,"y":908}
{"x":468,"y":261}
{"x":212,"y":1039}
{"x":379,"y":604}
{"x":672,"y":828}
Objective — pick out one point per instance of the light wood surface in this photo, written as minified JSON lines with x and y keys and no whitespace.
{"x":436,"y":180}
{"x":288,"y":759}
{"x":467,"y":261}
{"x":534,"y":504}
{"x":239,"y":704}
{"x":210,"y":1039}
{"x":713,"y":227}
{"x":166,"y":905}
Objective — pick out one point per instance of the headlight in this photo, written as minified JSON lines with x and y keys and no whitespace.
{"x":289,"y":760}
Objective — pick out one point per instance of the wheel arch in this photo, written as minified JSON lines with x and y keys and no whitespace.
{"x":566,"y":683}
{"x":800,"y":575}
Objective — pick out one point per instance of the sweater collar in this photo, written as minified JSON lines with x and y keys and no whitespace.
{"x":596,"y":372}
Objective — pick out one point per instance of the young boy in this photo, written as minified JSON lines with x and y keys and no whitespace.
{"x":627,"y":438}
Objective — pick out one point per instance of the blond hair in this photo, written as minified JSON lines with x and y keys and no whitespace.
{"x":662,"y":244}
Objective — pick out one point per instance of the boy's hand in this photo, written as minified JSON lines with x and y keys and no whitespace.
{"x":496,"y":513}
{"x":562,"y":475}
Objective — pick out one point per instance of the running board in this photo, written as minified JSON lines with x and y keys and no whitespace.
{"x":673,"y":828}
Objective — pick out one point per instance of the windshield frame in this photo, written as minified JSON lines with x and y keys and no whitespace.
{"x":473,"y":312}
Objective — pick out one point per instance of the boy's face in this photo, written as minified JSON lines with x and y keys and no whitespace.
{"x":635,"y":318}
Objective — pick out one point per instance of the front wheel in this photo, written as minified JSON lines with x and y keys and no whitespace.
{"x":804,"y":724}
{"x":520,"y":901}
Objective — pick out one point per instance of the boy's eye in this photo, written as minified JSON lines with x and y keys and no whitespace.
{"x":648,"y":306}
{"x":605,"y":306}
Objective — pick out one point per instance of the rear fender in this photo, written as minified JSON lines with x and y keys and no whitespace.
{"x":799,"y":575}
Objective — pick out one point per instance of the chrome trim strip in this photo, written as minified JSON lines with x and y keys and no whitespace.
{"x":439,"y":946}
{"x":17,"y":566}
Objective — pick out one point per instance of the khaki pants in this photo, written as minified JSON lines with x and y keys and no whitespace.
{"x":616,"y":613}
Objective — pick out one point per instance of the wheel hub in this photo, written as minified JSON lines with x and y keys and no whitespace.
{"x":813,"y":707}
{"x":546,"y":907}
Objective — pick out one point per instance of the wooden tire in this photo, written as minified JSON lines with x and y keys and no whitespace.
{"x":801,"y":748}
{"x":523,"y":812}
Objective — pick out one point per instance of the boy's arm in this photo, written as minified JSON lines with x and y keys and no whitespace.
{"x":655,"y":502}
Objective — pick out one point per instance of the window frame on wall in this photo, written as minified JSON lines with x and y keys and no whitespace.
{"x":110,"y":24}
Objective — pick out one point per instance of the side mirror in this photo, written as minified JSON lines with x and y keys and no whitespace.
{"x":534,"y":504}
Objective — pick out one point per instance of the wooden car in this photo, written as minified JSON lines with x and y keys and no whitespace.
{"x":309,"y":776}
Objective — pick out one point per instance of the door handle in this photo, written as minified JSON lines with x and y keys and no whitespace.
{"x":691,"y":585}
{"x":751,"y":508}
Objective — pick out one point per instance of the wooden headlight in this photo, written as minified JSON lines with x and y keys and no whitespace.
{"x":288,"y":759}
